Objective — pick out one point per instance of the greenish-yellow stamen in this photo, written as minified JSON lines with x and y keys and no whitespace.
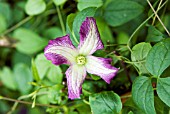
{"x":81,"y":60}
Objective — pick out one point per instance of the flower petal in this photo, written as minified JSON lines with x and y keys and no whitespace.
{"x":75,"y":77}
{"x":61,"y":51}
{"x":101,"y":67}
{"x":89,"y":37}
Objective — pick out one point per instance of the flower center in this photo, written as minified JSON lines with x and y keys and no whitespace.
{"x":81,"y":60}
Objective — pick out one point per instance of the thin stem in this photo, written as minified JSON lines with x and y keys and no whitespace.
{"x":158,"y":17}
{"x":30,"y":103}
{"x":16,"y":26}
{"x":156,"y":11}
{"x":128,"y":43}
{"x":61,"y":20}
{"x":124,"y":67}
{"x":86,"y":102}
{"x":127,"y":96}
{"x":111,"y":45}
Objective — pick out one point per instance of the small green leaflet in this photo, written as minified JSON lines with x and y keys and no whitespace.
{"x":139,"y":54}
{"x":35,"y":71}
{"x":35,"y":7}
{"x":83,"y":4}
{"x":154,"y":35}
{"x":28,"y":41}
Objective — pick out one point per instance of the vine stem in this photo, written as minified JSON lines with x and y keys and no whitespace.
{"x":157,"y":10}
{"x":130,"y":38}
{"x":16,"y":26}
{"x":61,"y":20}
{"x":158,"y":17}
{"x":26,"y":102}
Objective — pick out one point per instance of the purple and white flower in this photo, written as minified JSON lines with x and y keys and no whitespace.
{"x":62,"y":51}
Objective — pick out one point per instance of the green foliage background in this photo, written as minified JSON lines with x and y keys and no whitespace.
{"x":134,"y":37}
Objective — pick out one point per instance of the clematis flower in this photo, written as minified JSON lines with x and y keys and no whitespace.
{"x":80,"y":59}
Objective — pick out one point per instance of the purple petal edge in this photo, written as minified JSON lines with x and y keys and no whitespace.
{"x":58,"y":59}
{"x":75,"y":88}
{"x":101,"y":67}
{"x":85,"y":29}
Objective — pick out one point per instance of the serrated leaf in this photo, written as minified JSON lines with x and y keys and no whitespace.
{"x":80,"y":17}
{"x":35,"y":7}
{"x":23,"y":77}
{"x":8,"y":78}
{"x":154,"y":35}
{"x":34,"y":71}
{"x":105,"y":103}
{"x":163,"y":90}
{"x":83,"y":4}
{"x":59,"y":2}
{"x":117,"y":12}
{"x":142,"y":94}
{"x":158,"y":58}
{"x":139,"y":54}
{"x":29,"y":42}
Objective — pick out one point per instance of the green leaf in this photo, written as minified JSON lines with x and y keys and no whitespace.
{"x":130,"y":112}
{"x":154,"y":35}
{"x":34,"y":71}
{"x":53,"y":33}
{"x":55,"y":94}
{"x":35,"y":7}
{"x":139,"y":54}
{"x":42,"y":65}
{"x":19,"y":10}
{"x":142,"y":94}
{"x":163,"y":90}
{"x":105,"y":103}
{"x":105,"y":31}
{"x":59,"y":2}
{"x":83,"y":4}
{"x":88,"y":12}
{"x":122,"y":38}
{"x":118,"y":12}
{"x":3,"y":24}
{"x":5,"y":11}
{"x":158,"y":58}
{"x":94,"y":77}
{"x":160,"y":106}
{"x":8,"y":78}
{"x":129,"y":105}
{"x":45,"y":67}
{"x":29,"y":42}
{"x":23,"y":77}
{"x":69,"y":24}
{"x":55,"y":74}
